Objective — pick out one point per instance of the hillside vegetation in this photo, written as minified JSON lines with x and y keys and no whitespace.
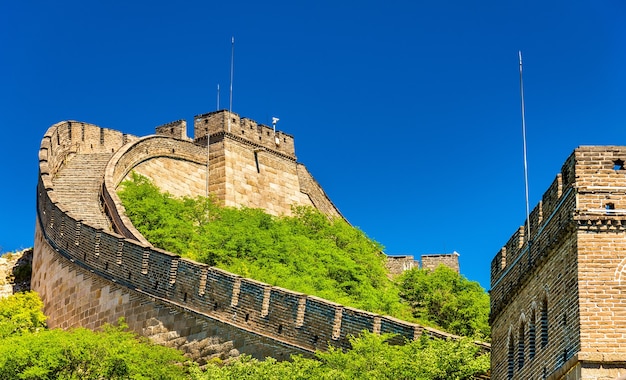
{"x":30,"y":351}
{"x":307,"y":253}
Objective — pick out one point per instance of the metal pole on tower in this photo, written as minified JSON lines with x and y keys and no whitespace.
{"x":521,"y":85}
{"x":232,"y":67}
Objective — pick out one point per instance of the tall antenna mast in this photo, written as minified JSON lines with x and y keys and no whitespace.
{"x":521,"y":86}
{"x":232,"y":67}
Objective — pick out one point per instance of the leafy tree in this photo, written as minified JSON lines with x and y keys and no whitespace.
{"x":21,"y":313}
{"x":447,"y":299}
{"x":305,"y":252}
{"x":84,"y":354}
{"x":371,"y":358}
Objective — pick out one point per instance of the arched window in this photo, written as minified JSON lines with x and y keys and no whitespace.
{"x":544,"y":322}
{"x":520,"y":347}
{"x":511,"y":356}
{"x":531,"y":335}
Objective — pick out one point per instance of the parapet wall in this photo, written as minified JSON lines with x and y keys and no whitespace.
{"x":588,"y":184}
{"x":125,"y":269}
{"x":218,"y":122}
{"x":72,"y":137}
{"x":129,"y":157}
{"x":547,"y":222}
{"x":556,"y":299}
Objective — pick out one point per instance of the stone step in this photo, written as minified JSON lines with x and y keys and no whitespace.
{"x":77,"y":186}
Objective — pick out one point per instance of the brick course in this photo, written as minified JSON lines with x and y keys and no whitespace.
{"x":568,"y":273}
{"x":90,"y":274}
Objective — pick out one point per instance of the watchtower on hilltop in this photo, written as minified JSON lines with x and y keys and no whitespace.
{"x":91,"y":266}
{"x":250,"y":164}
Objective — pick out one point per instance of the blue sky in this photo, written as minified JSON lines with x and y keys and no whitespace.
{"x":406,"y":112}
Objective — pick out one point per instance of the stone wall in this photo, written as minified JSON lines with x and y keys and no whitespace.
{"x":88,"y":276}
{"x":398,"y":264}
{"x":262,"y":136}
{"x":557,"y":309}
{"x":288,"y":318}
{"x":432,"y":261}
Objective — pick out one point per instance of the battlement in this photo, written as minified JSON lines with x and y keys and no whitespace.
{"x":88,"y":275}
{"x":591,"y":182}
{"x":175,"y":129}
{"x":398,"y":264}
{"x":564,"y":275}
{"x":228,"y":123}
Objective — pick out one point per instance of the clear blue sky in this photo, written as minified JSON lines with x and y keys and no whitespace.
{"x":406,"y":112}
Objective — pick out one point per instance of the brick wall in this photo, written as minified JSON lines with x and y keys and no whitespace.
{"x":88,"y":276}
{"x":568,"y":276}
{"x":431,"y":262}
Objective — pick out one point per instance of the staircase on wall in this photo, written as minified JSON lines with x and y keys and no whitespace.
{"x":77,"y":186}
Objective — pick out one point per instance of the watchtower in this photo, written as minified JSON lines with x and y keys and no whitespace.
{"x":558,"y":294}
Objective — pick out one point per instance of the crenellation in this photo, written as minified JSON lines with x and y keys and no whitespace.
{"x":570,"y":284}
{"x":89,"y":275}
{"x":175,"y":129}
{"x":432,"y":261}
{"x":536,"y":221}
{"x":225,"y":122}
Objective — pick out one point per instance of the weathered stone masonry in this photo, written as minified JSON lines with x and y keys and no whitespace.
{"x":558,"y":309}
{"x":90,"y":275}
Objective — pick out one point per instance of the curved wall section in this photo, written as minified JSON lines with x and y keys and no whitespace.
{"x":88,"y":276}
{"x":185,"y":160}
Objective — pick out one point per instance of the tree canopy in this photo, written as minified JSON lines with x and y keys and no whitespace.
{"x":30,"y":351}
{"x":371,"y":358}
{"x":306,"y":252}
{"x":34,"y":352}
{"x":448,"y":300}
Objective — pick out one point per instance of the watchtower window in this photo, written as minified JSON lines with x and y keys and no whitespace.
{"x":531,"y":336}
{"x":511,"y":357}
{"x":520,"y":347}
{"x":256,"y":161}
{"x":618,"y":165}
{"x":544,"y":323}
{"x":609,"y":206}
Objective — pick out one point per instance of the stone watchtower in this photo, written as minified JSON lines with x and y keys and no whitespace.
{"x":91,"y":266}
{"x":558,"y":296}
{"x":250,"y":165}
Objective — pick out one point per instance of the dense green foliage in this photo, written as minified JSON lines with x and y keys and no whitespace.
{"x":306,"y":252}
{"x":451,"y":301}
{"x":370,"y":358}
{"x":113,"y":353}
{"x":29,"y":351}
{"x":21,"y":313}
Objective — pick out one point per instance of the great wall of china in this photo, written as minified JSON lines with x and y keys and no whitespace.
{"x":558,"y":310}
{"x":91,"y":266}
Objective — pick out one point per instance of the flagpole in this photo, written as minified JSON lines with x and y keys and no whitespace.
{"x":232,"y":66}
{"x":521,"y":85}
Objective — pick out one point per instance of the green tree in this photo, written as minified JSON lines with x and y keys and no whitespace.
{"x":447,"y":299}
{"x":306,"y":252}
{"x":21,"y":313}
{"x":84,"y":354}
{"x":371,"y":358}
